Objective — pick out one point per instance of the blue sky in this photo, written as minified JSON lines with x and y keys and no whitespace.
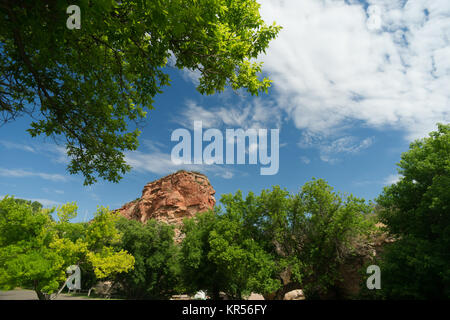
{"x":354,"y":84}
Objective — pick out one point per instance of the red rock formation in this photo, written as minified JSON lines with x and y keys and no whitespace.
{"x":171,"y":199}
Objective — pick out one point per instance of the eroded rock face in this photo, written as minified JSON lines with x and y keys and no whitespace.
{"x":171,"y":199}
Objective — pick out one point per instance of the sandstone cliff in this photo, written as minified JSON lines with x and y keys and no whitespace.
{"x":171,"y":199}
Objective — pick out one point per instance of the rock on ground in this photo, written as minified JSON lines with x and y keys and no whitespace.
{"x":294,"y":295}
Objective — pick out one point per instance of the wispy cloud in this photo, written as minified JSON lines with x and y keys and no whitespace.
{"x":347,"y":145}
{"x":159,"y":162}
{"x":330,"y":149}
{"x":257,"y":114}
{"x":19,"y":173}
{"x":191,"y":76}
{"x":17,"y":146}
{"x":153,"y":146}
{"x":56,"y":152}
{"x":46,"y":202}
{"x":47,"y":190}
{"x":391,"y":179}
{"x":331,"y":66}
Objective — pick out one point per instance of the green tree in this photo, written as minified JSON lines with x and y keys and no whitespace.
{"x":416,"y":211}
{"x":90,"y":87}
{"x":218,"y":256}
{"x":308,"y":234}
{"x":35,"y":205}
{"x":35,"y":250}
{"x":335,"y":224}
{"x":156,"y":273}
{"x":198,"y":272}
{"x":241,"y":261}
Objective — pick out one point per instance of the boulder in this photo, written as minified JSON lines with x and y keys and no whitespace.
{"x":255,"y":296}
{"x":294,"y":295}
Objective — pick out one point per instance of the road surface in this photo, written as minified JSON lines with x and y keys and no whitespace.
{"x":20,"y":294}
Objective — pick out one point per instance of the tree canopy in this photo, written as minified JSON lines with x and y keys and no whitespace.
{"x":274,"y":242}
{"x":156,"y":273}
{"x":309,"y":233}
{"x":35,"y":251}
{"x":416,"y":211}
{"x":219,"y":256}
{"x":91,"y":87}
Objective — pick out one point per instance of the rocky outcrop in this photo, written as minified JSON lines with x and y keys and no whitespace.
{"x":180,"y":195}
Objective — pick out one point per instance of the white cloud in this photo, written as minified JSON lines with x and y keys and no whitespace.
{"x":47,"y":190}
{"x":330,"y":67}
{"x":153,"y":146}
{"x":329,"y":149}
{"x":56,"y":152}
{"x":194,"y":112}
{"x":19,"y":173}
{"x":258,"y":114}
{"x":18,"y":146}
{"x":227,"y":175}
{"x":46,"y":202}
{"x":391,"y":179}
{"x":191,"y":76}
{"x":160,"y":163}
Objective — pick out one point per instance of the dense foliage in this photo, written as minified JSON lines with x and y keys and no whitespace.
{"x":219,"y":256}
{"x":89,"y":86}
{"x":416,"y":211}
{"x":35,"y":205}
{"x":35,"y":251}
{"x":274,"y":242}
{"x":156,"y":273}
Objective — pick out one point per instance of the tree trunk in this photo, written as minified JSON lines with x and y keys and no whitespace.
{"x":215,"y":294}
{"x":41,"y":295}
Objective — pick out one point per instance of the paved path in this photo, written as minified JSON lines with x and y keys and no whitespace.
{"x":20,"y":294}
